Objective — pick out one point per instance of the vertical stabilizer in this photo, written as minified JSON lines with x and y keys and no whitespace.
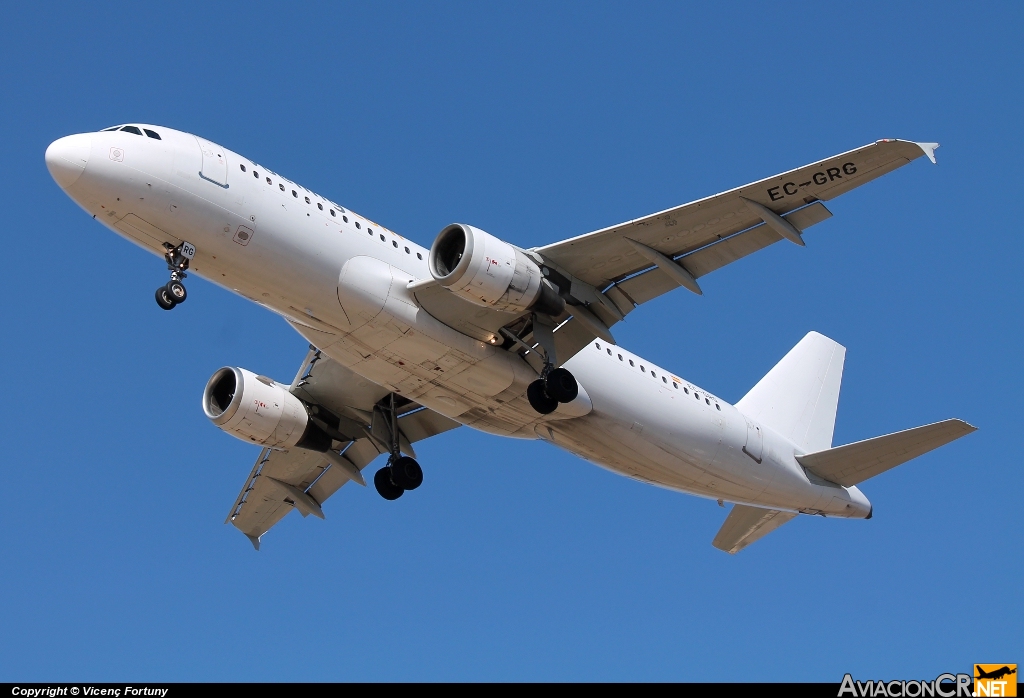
{"x":799,"y":396}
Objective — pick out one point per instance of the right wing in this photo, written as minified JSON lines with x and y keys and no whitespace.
{"x":744,"y":525}
{"x":347,"y":407}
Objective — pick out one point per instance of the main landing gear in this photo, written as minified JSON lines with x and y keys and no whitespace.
{"x":553,"y":387}
{"x":173,"y":292}
{"x":402,"y":472}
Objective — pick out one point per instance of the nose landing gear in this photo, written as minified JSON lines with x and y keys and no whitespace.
{"x":178,"y":258}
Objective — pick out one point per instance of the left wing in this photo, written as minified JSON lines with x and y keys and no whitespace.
{"x":604,"y":275}
{"x":611,"y":271}
{"x":348,"y":407}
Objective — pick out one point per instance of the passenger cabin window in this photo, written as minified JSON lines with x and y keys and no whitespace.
{"x":407,"y":250}
{"x":320,"y":206}
{"x":609,"y":351}
{"x":269,"y":182}
{"x":345,"y":218}
{"x":597,"y":345}
{"x":631,"y":362}
{"x":394,"y":243}
{"x":718,"y":407}
{"x":419,"y":256}
{"x":675,"y":385}
{"x":132,"y":129}
{"x":620,"y":357}
{"x":307,"y":199}
{"x":242,"y":166}
{"x":295,"y":193}
{"x":282,"y":186}
{"x":663,"y":379}
{"x":333,"y":213}
{"x":381,"y":237}
{"x":357,"y":225}
{"x":255,"y":174}
{"x":152,"y":134}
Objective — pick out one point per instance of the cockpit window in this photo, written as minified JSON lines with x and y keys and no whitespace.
{"x":112,"y":128}
{"x":132,"y":129}
{"x":152,"y":134}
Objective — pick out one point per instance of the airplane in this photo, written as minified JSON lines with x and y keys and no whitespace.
{"x":408,"y":342}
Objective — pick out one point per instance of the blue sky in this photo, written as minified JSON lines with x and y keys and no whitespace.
{"x":536,"y":122}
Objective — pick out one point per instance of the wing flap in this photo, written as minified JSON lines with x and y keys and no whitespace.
{"x":653,"y":283}
{"x":854,"y":463}
{"x":745,"y":525}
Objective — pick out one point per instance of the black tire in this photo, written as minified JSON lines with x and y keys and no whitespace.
{"x":385,"y":488}
{"x":561,"y":385}
{"x":406,"y":473}
{"x":163,"y":299}
{"x":176,"y":290}
{"x":539,"y":399}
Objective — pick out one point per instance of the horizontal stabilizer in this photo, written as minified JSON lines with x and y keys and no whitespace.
{"x":744,"y":525}
{"x":854,"y":463}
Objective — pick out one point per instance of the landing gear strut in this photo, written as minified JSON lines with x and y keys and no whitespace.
{"x":555,"y":385}
{"x":178,"y":258}
{"x":402,"y":472}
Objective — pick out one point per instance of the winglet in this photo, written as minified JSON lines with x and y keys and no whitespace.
{"x":255,"y":540}
{"x":929,"y":150}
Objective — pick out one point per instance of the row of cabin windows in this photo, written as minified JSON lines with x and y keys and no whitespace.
{"x":664,"y":380}
{"x":135,"y":130}
{"x":320,"y":206}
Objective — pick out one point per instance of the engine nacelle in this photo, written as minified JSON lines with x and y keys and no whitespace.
{"x":258,"y":410}
{"x":489,"y":272}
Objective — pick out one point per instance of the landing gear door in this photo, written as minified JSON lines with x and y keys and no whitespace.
{"x":755,"y":441}
{"x":215,"y":165}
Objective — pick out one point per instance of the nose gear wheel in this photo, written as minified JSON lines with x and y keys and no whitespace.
{"x":173,"y":292}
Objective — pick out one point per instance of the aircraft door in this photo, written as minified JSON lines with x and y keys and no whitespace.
{"x":755,"y":441}
{"x":215,"y":165}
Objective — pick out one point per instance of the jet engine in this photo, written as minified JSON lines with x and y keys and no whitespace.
{"x":489,"y":272}
{"x":258,"y":410}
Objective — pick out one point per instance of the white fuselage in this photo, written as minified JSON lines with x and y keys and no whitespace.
{"x":341,"y":281}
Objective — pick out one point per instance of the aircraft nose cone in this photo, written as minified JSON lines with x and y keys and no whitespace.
{"x":67,"y":157}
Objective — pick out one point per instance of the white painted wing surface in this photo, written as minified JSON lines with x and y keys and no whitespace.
{"x":604,"y":256}
{"x":343,"y":403}
{"x":854,"y":463}
{"x":744,"y":525}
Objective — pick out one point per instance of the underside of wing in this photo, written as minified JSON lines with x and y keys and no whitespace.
{"x":604,"y":275}
{"x":355,"y":413}
{"x":606,"y":256}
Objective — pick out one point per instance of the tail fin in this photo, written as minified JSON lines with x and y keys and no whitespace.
{"x":799,"y":396}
